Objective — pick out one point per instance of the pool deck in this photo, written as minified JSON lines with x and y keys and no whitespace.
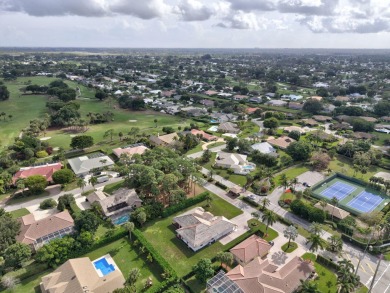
{"x":109,"y":259}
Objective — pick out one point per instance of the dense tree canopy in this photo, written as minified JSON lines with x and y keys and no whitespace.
{"x":36,"y":183}
{"x":16,"y":254}
{"x":382,"y":108}
{"x":4,"y":93}
{"x":81,"y":142}
{"x":299,"y":150}
{"x":63,"y":176}
{"x":9,"y":229}
{"x":312,"y":106}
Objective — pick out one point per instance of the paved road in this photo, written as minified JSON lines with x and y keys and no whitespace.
{"x":368,"y":263}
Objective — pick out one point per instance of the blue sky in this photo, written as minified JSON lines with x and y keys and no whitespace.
{"x":196,"y":23}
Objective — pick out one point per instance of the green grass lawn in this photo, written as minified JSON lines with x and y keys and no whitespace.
{"x":326,"y":279}
{"x":127,"y":257}
{"x":110,"y":188}
{"x":344,"y":165}
{"x":289,"y":249}
{"x":196,"y":149}
{"x":291,"y":173}
{"x":16,"y":106}
{"x":381,"y":138}
{"x":215,"y":144}
{"x":19,"y":213}
{"x":124,"y":255}
{"x":161,"y":234}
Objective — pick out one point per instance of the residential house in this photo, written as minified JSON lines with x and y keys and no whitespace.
{"x":256,"y":100}
{"x":222,"y":117}
{"x":328,"y":108}
{"x":194,"y":111}
{"x":205,"y":136}
{"x":37,"y":233}
{"x":250,"y":110}
{"x":237,"y":162}
{"x":318,"y":98}
{"x":264,"y":148}
{"x":295,"y":106}
{"x":207,"y":103}
{"x":369,"y":119}
{"x":281,"y":142}
{"x":294,"y":128}
{"x":210,"y":93}
{"x":276,"y":103}
{"x":44,"y":170}
{"x":80,"y":275}
{"x":309,"y":122}
{"x":83,"y":165}
{"x":261,"y":275}
{"x":342,"y":99}
{"x":331,"y":209}
{"x":270,"y":95}
{"x":228,"y":127}
{"x":240,"y":97}
{"x":321,"y":118}
{"x":250,"y":248}
{"x":164,"y":140}
{"x":198,"y":228}
{"x":292,"y":97}
{"x":130,"y":150}
{"x":121,"y":202}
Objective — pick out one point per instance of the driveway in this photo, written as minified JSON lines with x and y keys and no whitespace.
{"x":242,"y":227}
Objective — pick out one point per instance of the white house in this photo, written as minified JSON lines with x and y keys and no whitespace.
{"x":264,"y":148}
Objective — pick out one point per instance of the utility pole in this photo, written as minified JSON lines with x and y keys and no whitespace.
{"x":363,"y":255}
{"x":376,"y":271}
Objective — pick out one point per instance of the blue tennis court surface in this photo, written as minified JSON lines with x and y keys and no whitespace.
{"x":365,"y":202}
{"x":339,"y":190}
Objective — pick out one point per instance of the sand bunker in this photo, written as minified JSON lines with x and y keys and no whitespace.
{"x":45,"y":138}
{"x":132,"y":120}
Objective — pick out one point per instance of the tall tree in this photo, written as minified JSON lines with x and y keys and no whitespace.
{"x":269,"y":218}
{"x":291,"y":233}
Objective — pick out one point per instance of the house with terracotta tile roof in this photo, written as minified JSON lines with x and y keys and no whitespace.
{"x":205,"y":136}
{"x":164,"y":140}
{"x":44,"y":170}
{"x":250,"y":248}
{"x":81,"y":275}
{"x":37,"y":233}
{"x":198,"y":228}
{"x":262,"y":276}
{"x":281,"y":142}
{"x":130,"y":150}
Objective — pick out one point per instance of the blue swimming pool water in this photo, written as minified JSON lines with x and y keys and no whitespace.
{"x":248,"y":167}
{"x":103,"y":266}
{"x":213,"y":121}
{"x":121,"y":220}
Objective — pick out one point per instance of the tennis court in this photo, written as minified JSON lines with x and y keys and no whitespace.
{"x":352,"y":195}
{"x":365,"y":202}
{"x":339,"y":190}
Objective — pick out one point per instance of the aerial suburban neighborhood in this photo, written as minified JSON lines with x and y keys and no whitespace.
{"x":194,"y":170}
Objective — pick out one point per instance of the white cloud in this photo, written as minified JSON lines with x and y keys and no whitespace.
{"x":193,"y":10}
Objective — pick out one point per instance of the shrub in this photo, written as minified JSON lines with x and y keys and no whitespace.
{"x":47,"y":204}
{"x":327,"y":262}
{"x":219,"y":184}
{"x":63,"y":176}
{"x":184,"y":204}
{"x":41,"y":154}
{"x":250,"y":202}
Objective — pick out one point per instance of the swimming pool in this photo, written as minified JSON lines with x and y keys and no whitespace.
{"x":213,"y":121}
{"x":103,"y":266}
{"x":248,"y":167}
{"x":121,"y":220}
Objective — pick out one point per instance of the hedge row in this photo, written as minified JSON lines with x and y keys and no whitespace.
{"x":251,"y":202}
{"x":327,"y":262}
{"x":307,"y":212}
{"x":74,"y":209}
{"x":184,"y":204}
{"x":219,"y":184}
{"x":165,"y":266}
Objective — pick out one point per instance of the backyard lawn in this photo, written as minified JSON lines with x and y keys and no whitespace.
{"x":124,"y":256}
{"x":326,"y":278}
{"x":344,"y":165}
{"x":161,"y":234}
{"x":291,"y":173}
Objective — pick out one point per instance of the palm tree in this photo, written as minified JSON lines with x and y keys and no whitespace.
{"x":334,"y":201}
{"x":265,"y":202}
{"x":93,"y":181}
{"x":315,"y":228}
{"x":129,"y":227}
{"x":225,"y":258}
{"x":155,"y":123}
{"x":291,"y":233}
{"x":81,"y":184}
{"x":211,"y":173}
{"x":283,"y":180}
{"x":323,"y":204}
{"x":293,"y":182}
{"x":308,"y":286}
{"x":120,"y":134}
{"x":255,"y":215}
{"x":347,"y":281}
{"x":335,"y":243}
{"x":316,"y":242}
{"x":269,"y":218}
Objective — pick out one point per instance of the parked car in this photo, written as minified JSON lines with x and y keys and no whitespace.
{"x":102,"y":179}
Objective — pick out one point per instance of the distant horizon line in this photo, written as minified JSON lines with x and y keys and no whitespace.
{"x":188,"y":48}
